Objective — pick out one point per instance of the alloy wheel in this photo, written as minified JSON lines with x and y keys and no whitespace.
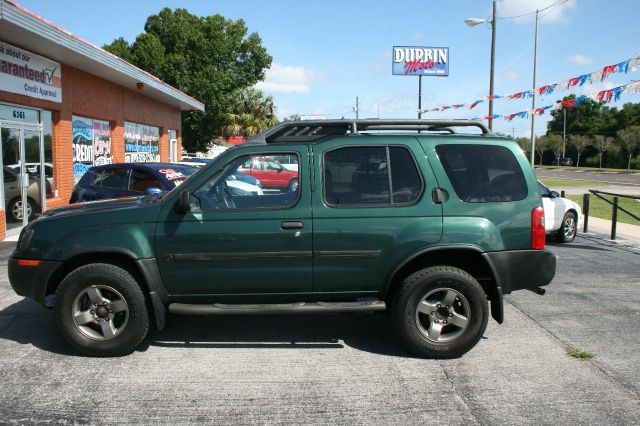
{"x":100,"y":312}
{"x":442,"y":315}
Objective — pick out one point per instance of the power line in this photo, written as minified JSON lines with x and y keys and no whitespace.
{"x":556,"y":4}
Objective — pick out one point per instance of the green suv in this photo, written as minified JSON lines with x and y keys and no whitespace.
{"x":406,"y":216}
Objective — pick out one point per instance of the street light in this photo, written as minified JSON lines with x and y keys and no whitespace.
{"x":472,"y":22}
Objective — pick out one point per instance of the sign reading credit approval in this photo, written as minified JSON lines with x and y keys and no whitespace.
{"x":413,"y":60}
{"x":28,"y":74}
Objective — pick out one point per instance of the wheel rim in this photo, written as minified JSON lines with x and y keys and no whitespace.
{"x":100,"y":312}
{"x":569,"y":227}
{"x":17,"y":210}
{"x":442,"y":315}
{"x":294,"y":186}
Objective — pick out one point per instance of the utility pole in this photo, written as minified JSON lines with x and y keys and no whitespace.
{"x":564,"y":130}
{"x":357,"y":108}
{"x":493,"y":61}
{"x":419,"y":97}
{"x":533,"y":98}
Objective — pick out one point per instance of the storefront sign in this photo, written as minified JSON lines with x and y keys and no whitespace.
{"x":141,"y":143}
{"x":101,"y":143}
{"x":427,"y":61}
{"x":28,"y":74}
{"x":91,"y":144}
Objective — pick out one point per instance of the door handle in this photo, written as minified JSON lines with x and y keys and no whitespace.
{"x":437,"y":196}
{"x":291,"y":224}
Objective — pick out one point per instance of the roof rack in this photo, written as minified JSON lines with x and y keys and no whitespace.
{"x":315,"y":130}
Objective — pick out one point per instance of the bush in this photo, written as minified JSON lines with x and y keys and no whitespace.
{"x":592,"y":161}
{"x":635,"y":162}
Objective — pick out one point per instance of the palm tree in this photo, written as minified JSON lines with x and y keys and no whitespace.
{"x":251,"y":112}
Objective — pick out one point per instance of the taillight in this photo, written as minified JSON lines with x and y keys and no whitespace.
{"x":537,"y":228}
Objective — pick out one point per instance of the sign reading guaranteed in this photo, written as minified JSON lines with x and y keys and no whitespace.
{"x":28,"y":74}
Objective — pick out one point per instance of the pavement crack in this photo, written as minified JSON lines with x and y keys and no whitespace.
{"x":461,"y":396}
{"x":592,"y":363}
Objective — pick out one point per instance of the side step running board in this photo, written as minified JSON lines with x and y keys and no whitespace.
{"x":283,"y":308}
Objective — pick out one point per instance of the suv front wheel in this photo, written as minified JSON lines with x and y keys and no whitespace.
{"x":440,"y":312}
{"x":100,"y":310}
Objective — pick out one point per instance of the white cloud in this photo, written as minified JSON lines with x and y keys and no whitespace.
{"x":510,"y":74}
{"x":507,"y":8}
{"x":580,"y":59}
{"x":289,"y":79}
{"x":418,"y":36}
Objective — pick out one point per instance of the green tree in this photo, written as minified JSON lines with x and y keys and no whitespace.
{"x":542,"y":143}
{"x":630,"y":139}
{"x":554,"y":143}
{"x":250,"y":113}
{"x":209,"y":58}
{"x":525,"y":145}
{"x":602,"y":144}
{"x":580,"y":143}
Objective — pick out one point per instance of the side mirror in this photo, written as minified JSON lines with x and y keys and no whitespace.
{"x":183,"y":206}
{"x":153,"y":190}
{"x":554,"y":194}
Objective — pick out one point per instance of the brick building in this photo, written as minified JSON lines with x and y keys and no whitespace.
{"x":66,"y":105}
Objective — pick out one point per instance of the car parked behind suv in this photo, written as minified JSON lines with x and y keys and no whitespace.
{"x":129,"y":180}
{"x":403,"y":215}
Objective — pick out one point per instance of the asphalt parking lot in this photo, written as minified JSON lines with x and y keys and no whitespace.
{"x":347,"y":368}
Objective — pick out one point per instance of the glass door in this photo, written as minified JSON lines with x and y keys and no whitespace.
{"x":24,"y":177}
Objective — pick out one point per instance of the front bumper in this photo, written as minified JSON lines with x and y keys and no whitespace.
{"x":31,"y":281}
{"x":522,"y":269}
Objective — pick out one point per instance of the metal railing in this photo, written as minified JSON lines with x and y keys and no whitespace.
{"x":615,"y":206}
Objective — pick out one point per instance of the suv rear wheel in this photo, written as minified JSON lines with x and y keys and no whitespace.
{"x":100,"y":310}
{"x":440,"y":312}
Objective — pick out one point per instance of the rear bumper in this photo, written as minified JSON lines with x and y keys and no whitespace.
{"x":522,"y":269}
{"x":31,"y":281}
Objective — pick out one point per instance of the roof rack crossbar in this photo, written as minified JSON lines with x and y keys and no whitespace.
{"x":317,"y":129}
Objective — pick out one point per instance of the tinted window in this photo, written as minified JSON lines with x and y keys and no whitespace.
{"x":405,"y":178}
{"x":356,"y":176}
{"x":110,"y":178}
{"x":482,"y":173}
{"x":226,"y":191}
{"x":140,"y":180}
{"x":544,"y":191}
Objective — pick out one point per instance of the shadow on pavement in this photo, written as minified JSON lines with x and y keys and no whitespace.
{"x":27,"y":323}
{"x":577,"y":246}
{"x":362,"y":331}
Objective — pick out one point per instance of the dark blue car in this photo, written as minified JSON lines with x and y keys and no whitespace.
{"x":129,"y":180}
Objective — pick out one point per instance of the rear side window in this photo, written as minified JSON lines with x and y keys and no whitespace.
{"x":483,"y":173}
{"x":367,"y":176}
{"x":110,"y":178}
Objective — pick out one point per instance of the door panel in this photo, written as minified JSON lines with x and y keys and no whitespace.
{"x":237,"y":248}
{"x":355,"y":247}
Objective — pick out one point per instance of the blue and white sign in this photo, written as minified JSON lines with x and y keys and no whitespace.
{"x":415,"y":60}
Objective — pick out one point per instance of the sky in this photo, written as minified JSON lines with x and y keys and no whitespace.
{"x":327,"y":53}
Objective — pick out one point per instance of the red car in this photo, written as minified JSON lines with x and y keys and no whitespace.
{"x":271,"y":173}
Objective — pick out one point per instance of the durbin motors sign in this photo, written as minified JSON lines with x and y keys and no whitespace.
{"x":414,"y":60}
{"x":28,"y":74}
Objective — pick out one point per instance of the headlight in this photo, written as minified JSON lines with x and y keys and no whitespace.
{"x":25,"y":238}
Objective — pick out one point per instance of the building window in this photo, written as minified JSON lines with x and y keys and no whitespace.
{"x":141,"y":143}
{"x":91,"y":144}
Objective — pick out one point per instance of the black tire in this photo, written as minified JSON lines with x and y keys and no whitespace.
{"x":11,"y":214}
{"x":568,"y":228}
{"x":134,"y":321}
{"x":293,"y":185}
{"x":434,"y":280}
